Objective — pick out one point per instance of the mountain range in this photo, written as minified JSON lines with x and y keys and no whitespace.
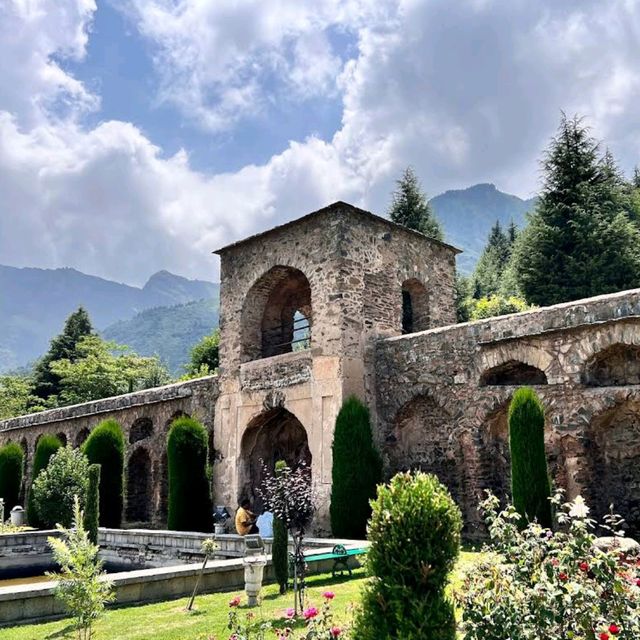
{"x":171,"y":313}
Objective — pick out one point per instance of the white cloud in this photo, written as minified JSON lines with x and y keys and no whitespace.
{"x":465,"y":92}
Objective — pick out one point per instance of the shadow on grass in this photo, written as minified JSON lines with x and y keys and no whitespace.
{"x":61,"y":633}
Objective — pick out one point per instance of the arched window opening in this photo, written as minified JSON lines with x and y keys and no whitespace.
{"x":273,"y":435}
{"x":415,"y":306}
{"x":276,"y":316}
{"x":513,"y":372}
{"x":63,"y":438}
{"x":616,"y":366}
{"x":139,"y":486}
{"x":142,"y":428}
{"x":495,"y":455}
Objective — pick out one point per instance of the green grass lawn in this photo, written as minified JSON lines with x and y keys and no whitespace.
{"x":169,"y":620}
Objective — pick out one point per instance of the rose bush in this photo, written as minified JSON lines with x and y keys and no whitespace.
{"x":538,"y":583}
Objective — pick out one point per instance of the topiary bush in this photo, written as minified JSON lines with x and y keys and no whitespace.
{"x":92,"y":508}
{"x":530,"y":485}
{"x":190,"y":507}
{"x":47,"y":445}
{"x":105,"y":446}
{"x":65,"y":477}
{"x":415,"y":540}
{"x":11,"y":467}
{"x":353,"y":485}
{"x":280,"y":548}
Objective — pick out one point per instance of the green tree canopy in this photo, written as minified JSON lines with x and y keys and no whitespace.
{"x":579,"y":241}
{"x":205,"y":355}
{"x":16,"y":396}
{"x":46,"y":382}
{"x":410,"y":207}
{"x":47,"y":445}
{"x":103,"y":369}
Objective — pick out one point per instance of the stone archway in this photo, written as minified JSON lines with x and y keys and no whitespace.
{"x":613,"y":459}
{"x":81,"y":436}
{"x":142,"y":428}
{"x":423,"y":438}
{"x":139,"y":486}
{"x":275,"y":434}
{"x":513,"y":373}
{"x":495,"y":455}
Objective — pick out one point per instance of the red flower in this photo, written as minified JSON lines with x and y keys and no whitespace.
{"x":614,"y":628}
{"x":584,"y":566}
{"x":638,"y":583}
{"x":234,"y":602}
{"x":563,"y":576}
{"x":335,"y":632}
{"x":603,"y":636}
{"x":328,"y":595}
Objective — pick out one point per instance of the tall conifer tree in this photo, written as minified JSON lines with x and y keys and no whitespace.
{"x":580,"y":241}
{"x":46,"y":383}
{"x":410,"y":207}
{"x":491,"y":265}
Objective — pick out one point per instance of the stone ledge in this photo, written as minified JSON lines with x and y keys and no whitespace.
{"x":277,"y":371}
{"x":154,"y":395}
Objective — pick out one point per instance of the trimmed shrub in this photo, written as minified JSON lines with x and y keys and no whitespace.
{"x":55,"y":488}
{"x":280,"y":548}
{"x":105,"y":446}
{"x":357,"y":469}
{"x":530,"y":485}
{"x":92,"y":508}
{"x":47,"y":445}
{"x":190,"y":507}
{"x":11,"y":466}
{"x":415,"y":540}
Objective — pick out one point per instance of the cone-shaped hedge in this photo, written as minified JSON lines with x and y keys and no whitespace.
{"x":415,"y":540}
{"x":530,"y":485}
{"x":11,"y":466}
{"x":105,"y":446}
{"x":280,"y":548}
{"x":47,"y":445}
{"x":92,"y":507}
{"x":357,"y":469}
{"x":189,"y":494}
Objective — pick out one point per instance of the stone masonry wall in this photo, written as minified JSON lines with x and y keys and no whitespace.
{"x":145,"y":417}
{"x":436,"y":413}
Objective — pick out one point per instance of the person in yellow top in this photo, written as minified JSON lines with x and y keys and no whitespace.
{"x":245,"y":519}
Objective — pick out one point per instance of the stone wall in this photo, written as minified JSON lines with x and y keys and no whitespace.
{"x":145,"y":417}
{"x":443,"y":394}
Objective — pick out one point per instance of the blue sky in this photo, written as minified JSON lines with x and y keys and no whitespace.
{"x":137,"y":135}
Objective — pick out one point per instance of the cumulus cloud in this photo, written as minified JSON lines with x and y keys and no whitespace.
{"x":465,"y":92}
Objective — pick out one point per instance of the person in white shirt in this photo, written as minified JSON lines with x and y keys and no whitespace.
{"x":265,"y":524}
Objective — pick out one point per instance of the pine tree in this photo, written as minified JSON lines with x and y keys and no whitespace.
{"x":530,"y":485}
{"x":46,"y":383}
{"x":411,"y":208}
{"x":492,"y":263}
{"x":357,"y":469}
{"x":579,"y":241}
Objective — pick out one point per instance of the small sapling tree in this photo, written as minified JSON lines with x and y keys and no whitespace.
{"x":289,"y":496}
{"x":81,"y":583}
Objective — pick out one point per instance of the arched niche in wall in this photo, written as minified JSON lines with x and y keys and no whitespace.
{"x":139,"y":494}
{"x":415,"y":306}
{"x":617,"y":365}
{"x":275,"y":434}
{"x":613,"y":463}
{"x":423,"y":438}
{"x":142,"y":428}
{"x":276,"y":314}
{"x":62,"y":437}
{"x":81,"y":436}
{"x":514,"y":373}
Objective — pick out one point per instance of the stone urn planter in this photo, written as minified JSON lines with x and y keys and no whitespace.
{"x":17,"y":516}
{"x":253,"y":575}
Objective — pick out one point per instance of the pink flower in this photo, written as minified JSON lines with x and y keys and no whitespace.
{"x":328,"y":595}
{"x":234,"y":602}
{"x":289,"y":613}
{"x":309,"y":613}
{"x":335,"y":632}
